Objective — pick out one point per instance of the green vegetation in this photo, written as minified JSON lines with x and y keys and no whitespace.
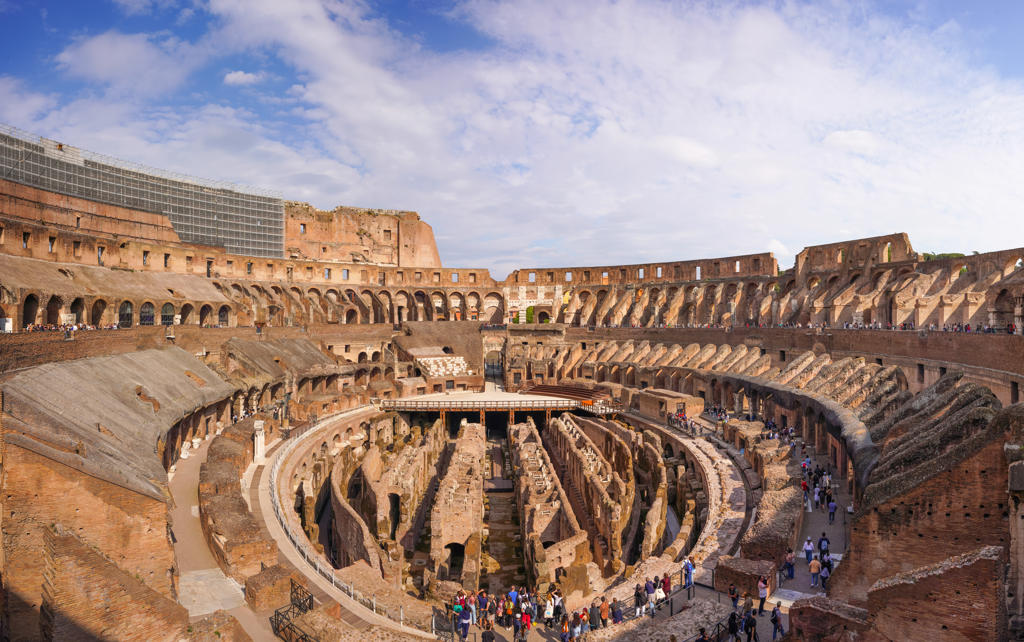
{"x":933,"y":256}
{"x":529,"y":314}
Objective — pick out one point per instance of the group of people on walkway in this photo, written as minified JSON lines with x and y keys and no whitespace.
{"x":743,"y":619}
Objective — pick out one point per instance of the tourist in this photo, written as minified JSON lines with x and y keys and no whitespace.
{"x":639,"y":599}
{"x":808,"y":549}
{"x":831,"y":510}
{"x":517,"y":619}
{"x":666,"y":582}
{"x":762,"y":594}
{"x":464,"y":618}
{"x":823,"y":544}
{"x":471,"y":603}
{"x":584,"y":621}
{"x":750,"y":626}
{"x":649,"y":592}
{"x":492,"y":609}
{"x":549,"y":612}
{"x":595,"y":616}
{"x":659,"y":593}
{"x":703,"y":635}
{"x":776,"y":620}
{"x":577,"y":625}
{"x":616,"y":612}
{"x":605,"y":609}
{"x":790,"y":563}
{"x":488,"y":634}
{"x":815,"y":569}
{"x":565,"y":632}
{"x":824,"y":575}
{"x":734,"y":595}
{"x":826,"y":561}
{"x":748,"y":607}
{"x":688,"y":573}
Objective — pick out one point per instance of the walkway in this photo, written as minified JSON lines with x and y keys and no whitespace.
{"x":202,"y":586}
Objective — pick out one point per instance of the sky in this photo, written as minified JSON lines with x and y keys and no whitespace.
{"x":535,"y":133}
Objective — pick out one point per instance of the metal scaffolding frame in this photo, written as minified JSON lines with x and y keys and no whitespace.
{"x":240,"y":219}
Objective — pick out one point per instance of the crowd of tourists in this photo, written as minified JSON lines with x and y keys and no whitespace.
{"x":716,"y":412}
{"x":520,"y":610}
{"x":67,"y":327}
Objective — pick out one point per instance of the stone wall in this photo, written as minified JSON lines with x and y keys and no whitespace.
{"x":457,"y":515}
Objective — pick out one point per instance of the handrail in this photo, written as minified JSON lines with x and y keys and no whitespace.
{"x":455,"y":404}
{"x":301,"y":544}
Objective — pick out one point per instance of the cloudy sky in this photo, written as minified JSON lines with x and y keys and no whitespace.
{"x":533,"y":132}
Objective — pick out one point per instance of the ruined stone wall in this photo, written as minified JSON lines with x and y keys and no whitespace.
{"x":86,"y":597}
{"x":554,"y":542}
{"x":958,"y":599}
{"x":953,"y":511}
{"x":130,"y":528}
{"x":457,"y":515}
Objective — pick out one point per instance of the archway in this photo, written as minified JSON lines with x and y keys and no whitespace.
{"x":29,"y":310}
{"x":146,"y":314}
{"x":186,"y":313}
{"x":125,"y":314}
{"x":98,"y":308}
{"x":224,"y":316}
{"x":53,"y":310}
{"x":455,"y":557}
{"x":167,"y":314}
{"x":205,"y":313}
{"x":78,"y":310}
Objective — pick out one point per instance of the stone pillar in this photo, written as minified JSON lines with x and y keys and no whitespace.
{"x":1018,"y":316}
{"x":259,"y":443}
{"x":1015,"y":577}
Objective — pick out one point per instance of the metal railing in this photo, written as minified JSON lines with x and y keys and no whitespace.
{"x":301,"y":544}
{"x":526,"y":405}
{"x":300,"y":601}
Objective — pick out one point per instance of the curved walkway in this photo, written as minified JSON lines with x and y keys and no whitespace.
{"x":202,"y":586}
{"x":353,"y":613}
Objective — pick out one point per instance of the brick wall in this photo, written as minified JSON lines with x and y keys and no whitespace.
{"x":128,"y":527}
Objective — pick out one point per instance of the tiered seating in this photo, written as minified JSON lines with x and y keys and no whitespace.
{"x":443,"y":366}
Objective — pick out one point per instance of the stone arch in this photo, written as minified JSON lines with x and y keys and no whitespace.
{"x":125,"y":314}
{"x":53,"y":310}
{"x":224,"y":316}
{"x":186,"y":313}
{"x":494,"y":308}
{"x":146,"y":313}
{"x":404,"y":308}
{"x":78,"y":310}
{"x":351,"y":316}
{"x":205,"y":313}
{"x":99,"y":307}
{"x":167,"y":314}
{"x":29,"y":310}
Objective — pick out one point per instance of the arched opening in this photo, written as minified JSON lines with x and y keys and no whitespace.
{"x":98,"y":308}
{"x":125,"y":315}
{"x":146,"y":314}
{"x":167,"y":314}
{"x":186,"y":313}
{"x":53,"y":311}
{"x":394,"y":513}
{"x":205,"y":313}
{"x":543,"y":317}
{"x":78,"y":310}
{"x":224,"y":316}
{"x":455,"y":556}
{"x":29,"y":310}
{"x":352,"y":316}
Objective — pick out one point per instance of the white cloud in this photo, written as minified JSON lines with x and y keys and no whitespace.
{"x":592,"y":132}
{"x":140,"y":7}
{"x":139,"y":64}
{"x":239,"y":77}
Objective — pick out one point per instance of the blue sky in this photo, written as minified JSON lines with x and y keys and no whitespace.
{"x":535,"y":133}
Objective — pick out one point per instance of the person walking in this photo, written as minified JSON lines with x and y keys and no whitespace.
{"x":639,"y":600}
{"x":776,"y":620}
{"x":733,"y":627}
{"x":815,"y":569}
{"x":808,"y":550}
{"x":616,"y":612}
{"x":750,"y":627}
{"x":604,"y":610}
{"x":790,"y":563}
{"x":831,"y":511}
{"x":823,"y":543}
{"x":734,"y":595}
{"x":488,"y":633}
{"x":824,"y":575}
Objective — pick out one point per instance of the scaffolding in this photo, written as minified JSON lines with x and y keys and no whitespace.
{"x":242,"y":220}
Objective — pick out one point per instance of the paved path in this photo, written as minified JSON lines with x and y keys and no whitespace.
{"x":202,"y":586}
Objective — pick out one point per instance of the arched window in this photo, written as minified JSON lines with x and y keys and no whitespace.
{"x":223,"y":315}
{"x":167,"y":314}
{"x":146,"y":314}
{"x":124,"y":314}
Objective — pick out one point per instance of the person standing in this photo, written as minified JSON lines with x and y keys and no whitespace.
{"x":604,"y":611}
{"x":808,"y":550}
{"x":762,"y":594}
{"x":815,"y":569}
{"x":750,"y":626}
{"x":831,"y":510}
{"x":734,"y":595}
{"x":824,"y":575}
{"x":823,"y":543}
{"x":776,"y":620}
{"x":790,"y":562}
{"x":488,"y":634}
{"x":616,"y":612}
{"x":638,"y":600}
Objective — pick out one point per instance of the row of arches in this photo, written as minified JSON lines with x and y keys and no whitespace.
{"x":60,"y":310}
